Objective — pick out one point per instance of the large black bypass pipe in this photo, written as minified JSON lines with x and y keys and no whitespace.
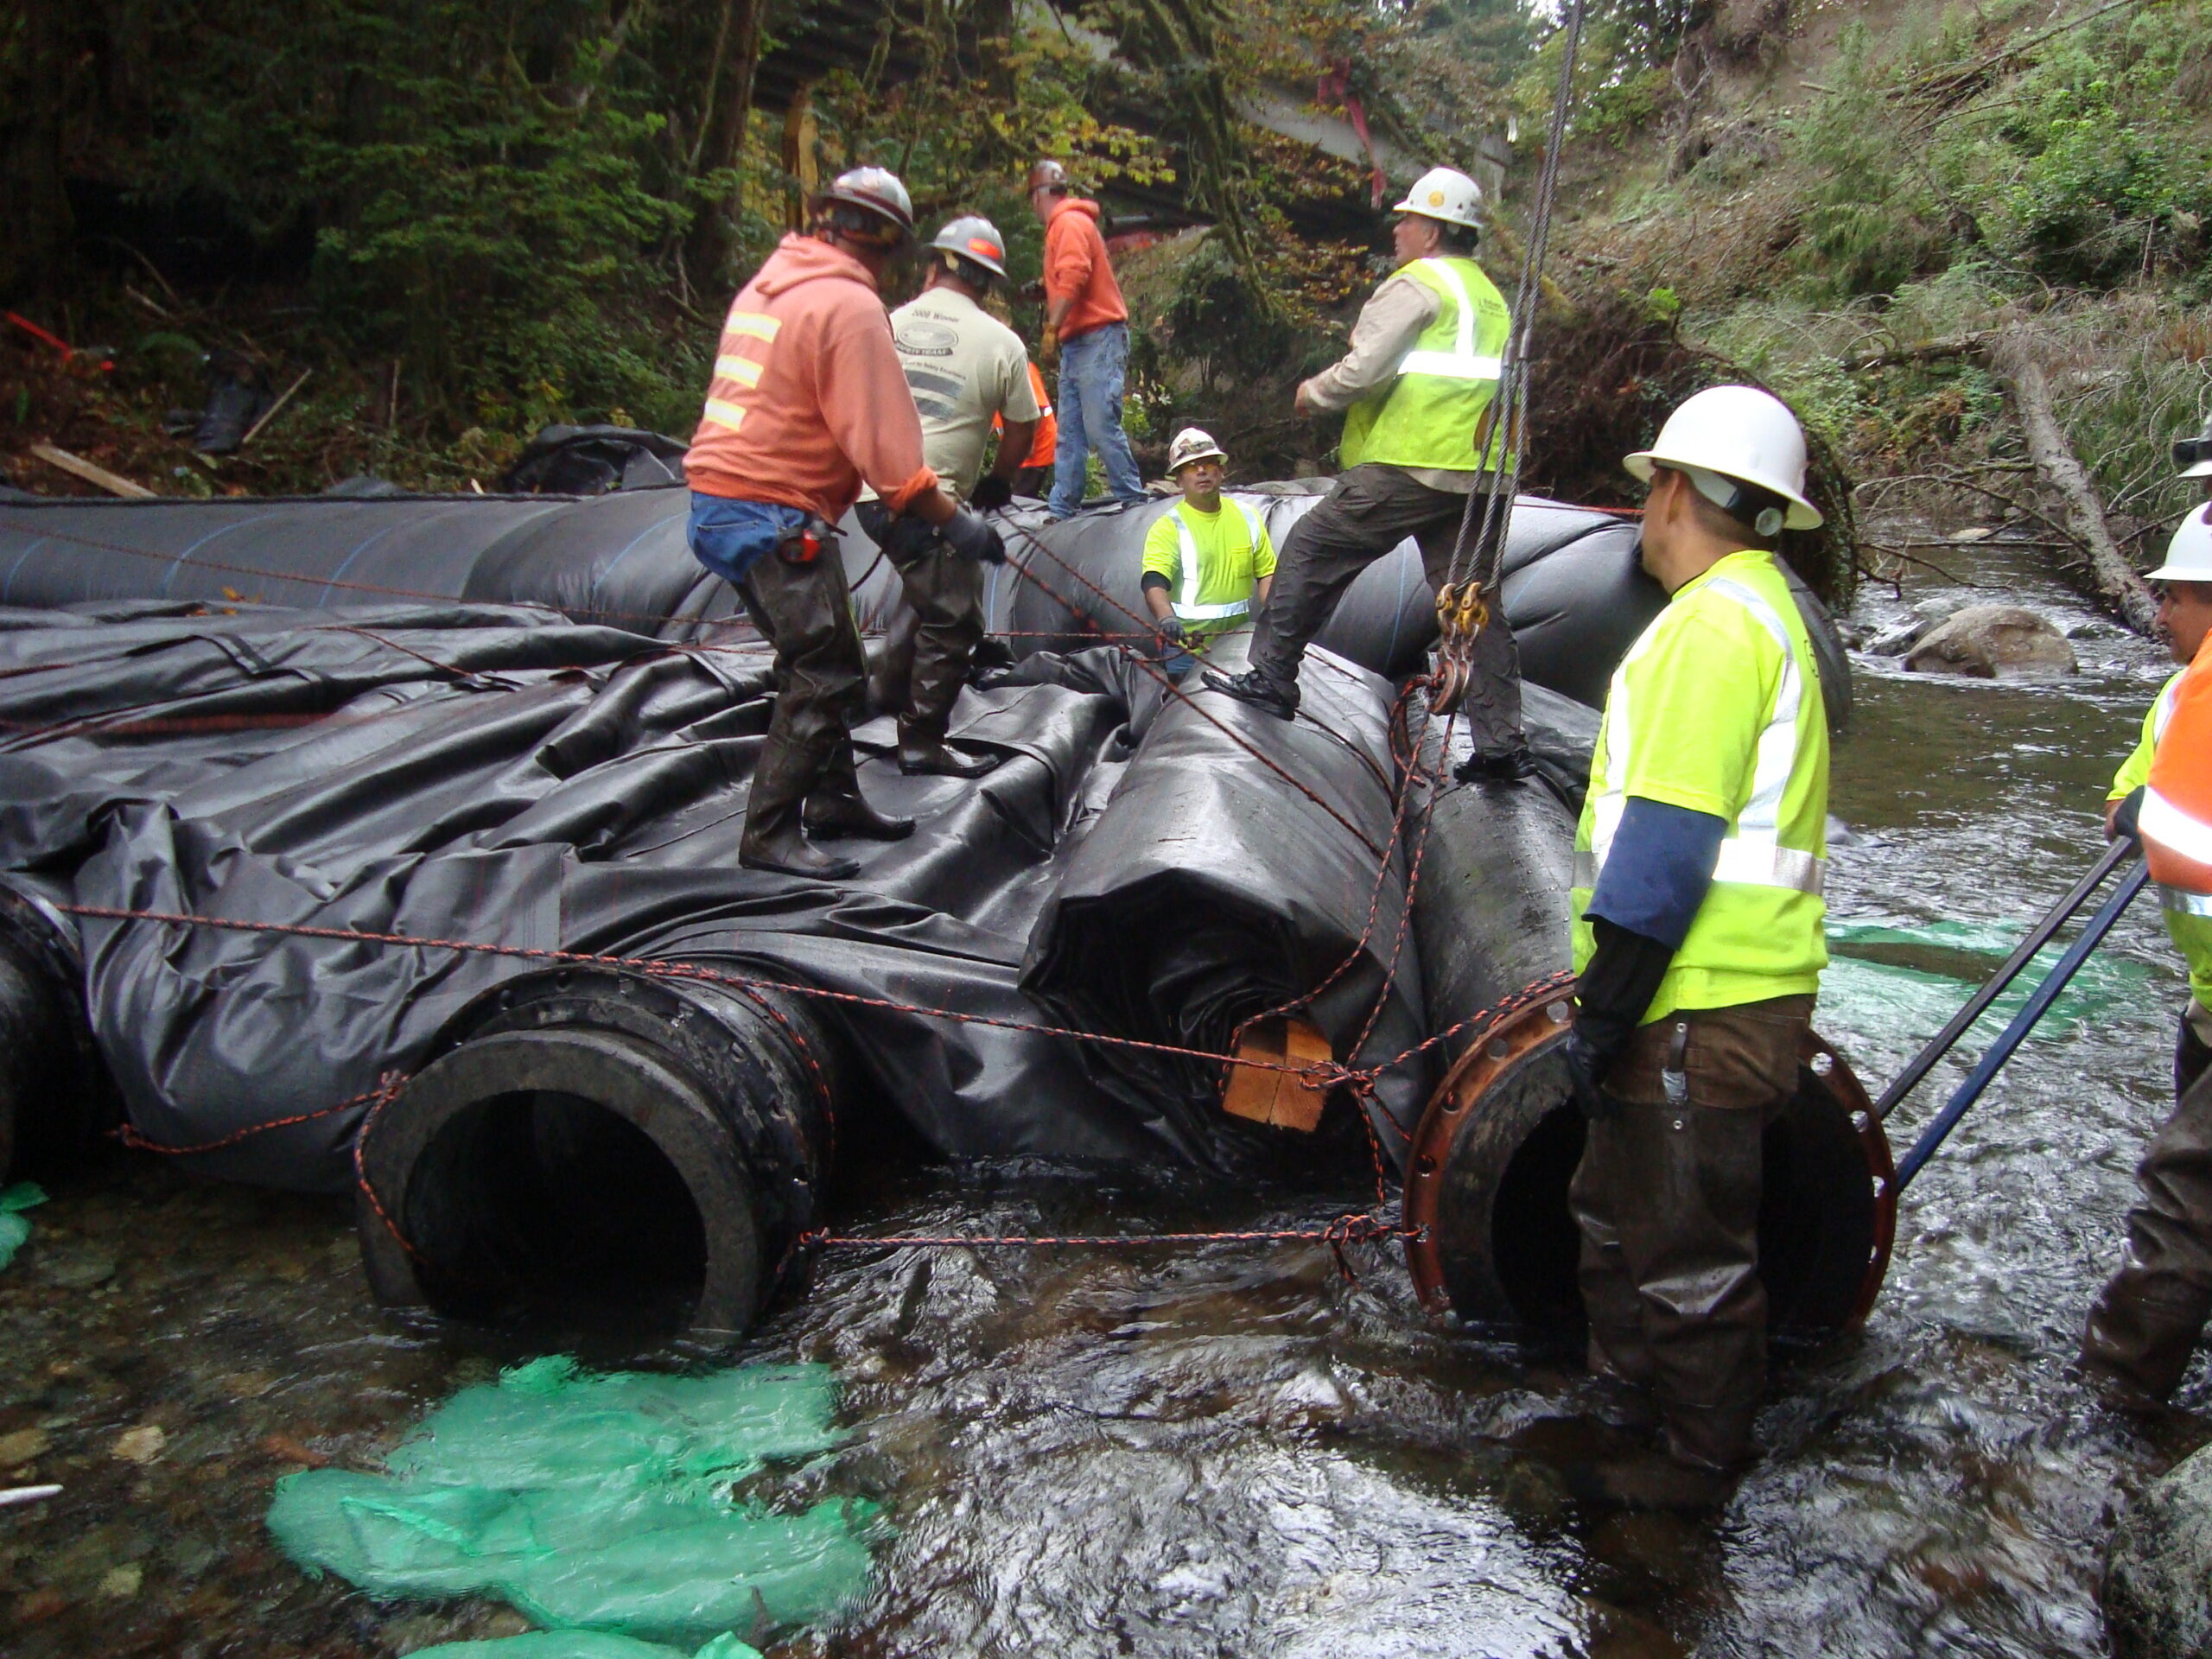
{"x":602,"y":1150}
{"x":55,"y":1095}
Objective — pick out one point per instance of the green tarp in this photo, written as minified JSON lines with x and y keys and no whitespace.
{"x":14,"y":1230}
{"x":597,"y":1503}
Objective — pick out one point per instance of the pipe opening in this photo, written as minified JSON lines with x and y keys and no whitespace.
{"x":538,"y":1208}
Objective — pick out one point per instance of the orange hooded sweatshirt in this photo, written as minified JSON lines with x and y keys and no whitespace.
{"x":1076,"y":265}
{"x":808,"y":398}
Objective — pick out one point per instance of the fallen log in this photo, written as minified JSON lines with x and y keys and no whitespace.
{"x":2014,"y":359}
{"x":1926,"y":351}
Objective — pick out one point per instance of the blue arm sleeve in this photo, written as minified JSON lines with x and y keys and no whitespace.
{"x":1660,"y":866}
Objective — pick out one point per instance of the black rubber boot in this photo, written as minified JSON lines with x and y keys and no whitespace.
{"x":836,"y":806}
{"x":922,"y":755}
{"x":1257,"y":689}
{"x":773,"y":839}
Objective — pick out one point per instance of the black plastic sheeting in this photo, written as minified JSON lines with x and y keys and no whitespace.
{"x":499,"y":776}
{"x":1573,"y":592}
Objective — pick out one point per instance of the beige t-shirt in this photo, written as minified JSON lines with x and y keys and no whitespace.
{"x":963,"y":365}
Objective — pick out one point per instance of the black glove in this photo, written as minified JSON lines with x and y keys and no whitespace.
{"x":1585,"y":1071}
{"x":969,"y":535}
{"x":1617,"y":985}
{"x":2128,"y":819}
{"x":991,"y":493}
{"x":1169,"y":628}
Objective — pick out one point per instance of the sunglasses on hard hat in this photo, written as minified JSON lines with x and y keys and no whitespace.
{"x":2192,"y":451}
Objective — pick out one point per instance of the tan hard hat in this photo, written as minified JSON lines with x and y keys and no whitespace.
{"x":1191,"y":444}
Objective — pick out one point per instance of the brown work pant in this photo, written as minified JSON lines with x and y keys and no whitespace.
{"x":806,"y":612}
{"x":2146,"y":1322}
{"x":1372,"y":509}
{"x":1666,"y":1198}
{"x":931,"y":642}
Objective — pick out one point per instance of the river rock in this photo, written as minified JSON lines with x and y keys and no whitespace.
{"x":1987,"y":641}
{"x":2158,"y":1594}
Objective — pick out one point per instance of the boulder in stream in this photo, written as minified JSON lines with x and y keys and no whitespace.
{"x":2157,"y":1594}
{"x":1993,"y":641}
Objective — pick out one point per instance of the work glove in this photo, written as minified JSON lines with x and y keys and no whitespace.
{"x":967,"y":535}
{"x":1586,"y":1074}
{"x":992,"y":493}
{"x":2128,"y":820}
{"x":1170,"y":628}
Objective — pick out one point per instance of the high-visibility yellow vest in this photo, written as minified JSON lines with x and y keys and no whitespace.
{"x":1716,"y":709}
{"x":1444,"y":385}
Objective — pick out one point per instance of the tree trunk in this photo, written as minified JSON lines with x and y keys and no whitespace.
{"x":2013,"y":358}
{"x":726,"y":107}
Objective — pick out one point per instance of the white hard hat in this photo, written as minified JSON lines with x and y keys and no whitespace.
{"x":2189,"y":555}
{"x":2194,"y":456}
{"x":974,"y":238}
{"x":1191,"y":444}
{"x":1444,"y":193}
{"x":878,"y":191}
{"x":1742,"y":434}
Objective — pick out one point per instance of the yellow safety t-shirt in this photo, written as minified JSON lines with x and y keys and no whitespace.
{"x":1211,"y":561}
{"x":1716,"y":709}
{"x":2191,"y":931}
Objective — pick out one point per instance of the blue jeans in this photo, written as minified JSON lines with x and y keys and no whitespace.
{"x":730,"y":536}
{"x":1092,"y":367}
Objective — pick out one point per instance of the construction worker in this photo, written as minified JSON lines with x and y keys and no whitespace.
{"x":2146,"y":1322}
{"x":966,"y":370}
{"x":1205,"y":558}
{"x":1034,"y":476}
{"x":1087,"y":323}
{"x":807,"y":400}
{"x":1419,"y":381}
{"x":1698,"y":924}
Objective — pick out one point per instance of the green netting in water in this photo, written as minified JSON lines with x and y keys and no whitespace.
{"x":1904,"y":981}
{"x":596,"y":1503}
{"x":586,"y":1644}
{"x":14,"y":1230}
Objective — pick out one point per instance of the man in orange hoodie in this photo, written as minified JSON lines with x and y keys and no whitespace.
{"x":1083,"y":312}
{"x":809,"y":400}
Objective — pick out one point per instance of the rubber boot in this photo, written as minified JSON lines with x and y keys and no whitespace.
{"x":836,"y":807}
{"x":773,"y":838}
{"x":922,"y":752}
{"x":1618,"y":1355}
{"x":1256,"y":688}
{"x":2139,"y":1338}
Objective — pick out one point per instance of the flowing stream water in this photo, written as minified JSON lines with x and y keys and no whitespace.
{"x":1234,"y":1450}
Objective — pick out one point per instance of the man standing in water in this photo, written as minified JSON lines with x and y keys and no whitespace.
{"x":1698,"y":925}
{"x":2145,"y":1323}
{"x":808,"y":399}
{"x":1420,"y":448}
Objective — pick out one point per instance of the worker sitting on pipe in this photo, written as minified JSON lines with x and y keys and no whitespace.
{"x":1421,"y":448}
{"x":2146,"y":1322}
{"x":1206,"y":558}
{"x":1698,"y":915}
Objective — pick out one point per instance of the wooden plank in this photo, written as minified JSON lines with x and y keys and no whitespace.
{"x":1279,"y":1099}
{"x":78,"y":467}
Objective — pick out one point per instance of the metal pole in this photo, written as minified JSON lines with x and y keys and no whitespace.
{"x":2013,"y":1035}
{"x":2038,"y":936}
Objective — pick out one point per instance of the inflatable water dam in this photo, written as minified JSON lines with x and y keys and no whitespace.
{"x":389,"y":846}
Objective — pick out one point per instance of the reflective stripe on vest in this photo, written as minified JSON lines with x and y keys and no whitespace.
{"x":1186,"y":607}
{"x":1460,"y":363}
{"x":1751,"y":856}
